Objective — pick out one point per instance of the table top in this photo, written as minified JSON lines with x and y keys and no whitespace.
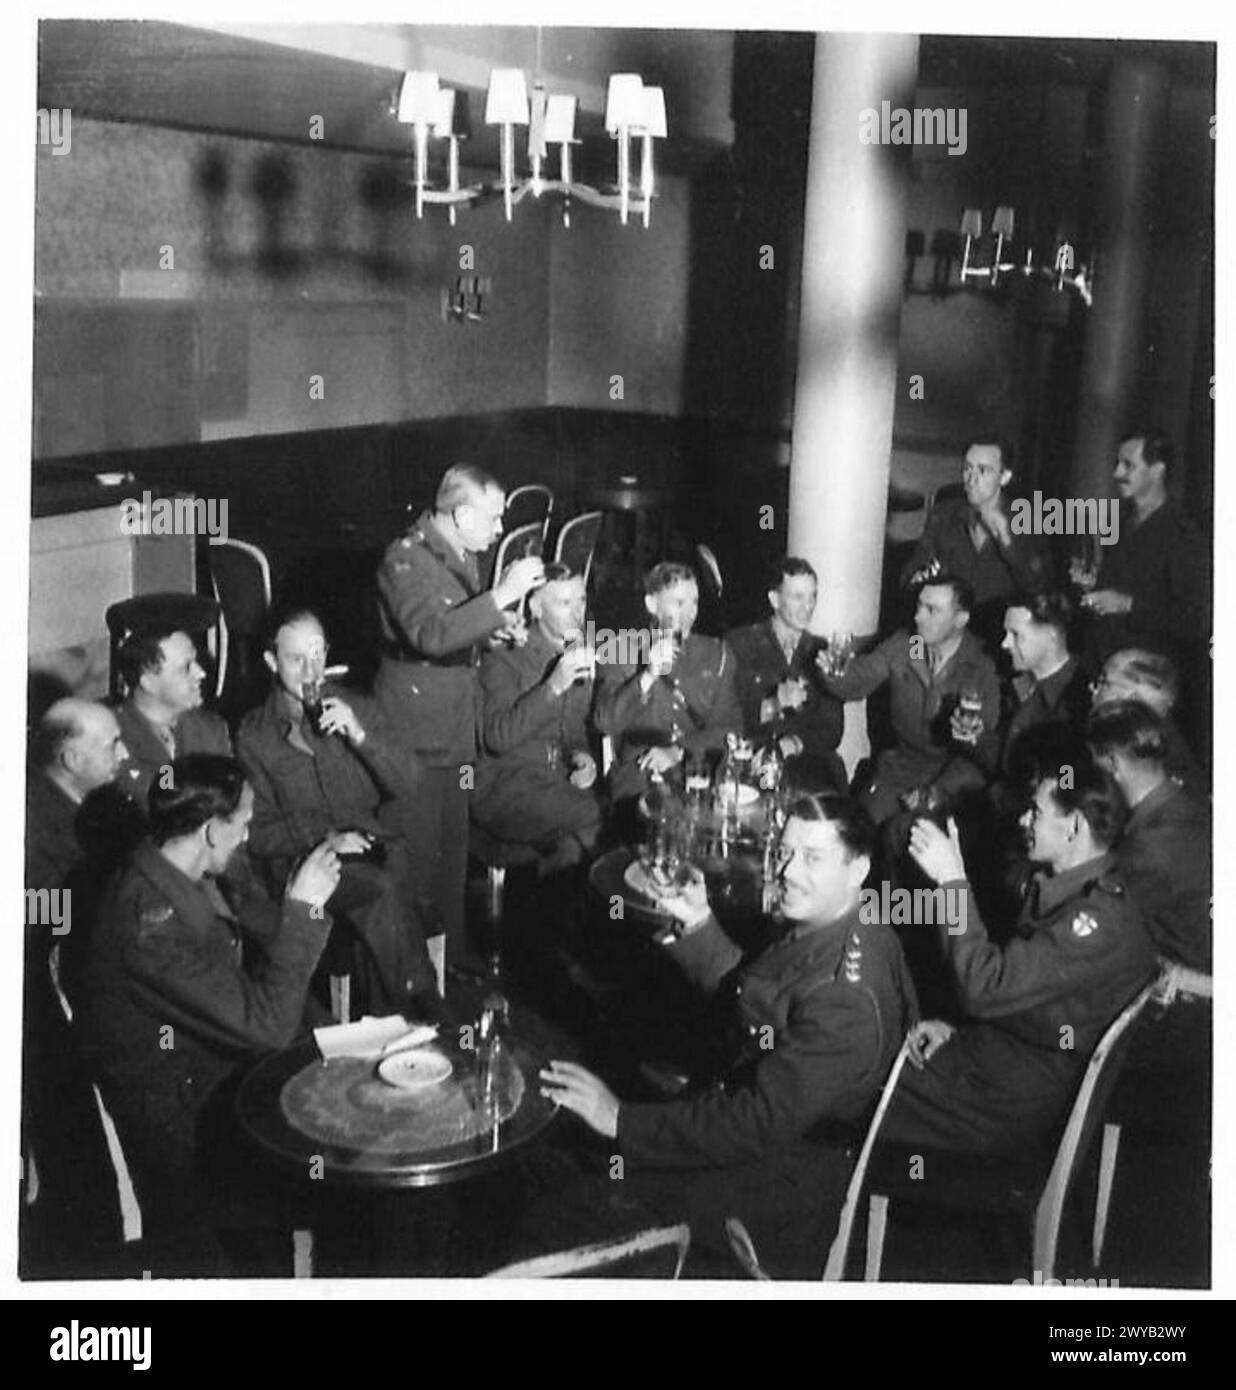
{"x":297,"y":1109}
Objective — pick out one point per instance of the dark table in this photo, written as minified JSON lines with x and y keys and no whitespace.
{"x":350,"y":1099}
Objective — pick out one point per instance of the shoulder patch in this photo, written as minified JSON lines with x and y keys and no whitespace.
{"x":1085,"y":924}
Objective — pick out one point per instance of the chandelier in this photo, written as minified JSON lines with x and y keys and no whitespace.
{"x":633,"y":113}
{"x":1063,"y":273}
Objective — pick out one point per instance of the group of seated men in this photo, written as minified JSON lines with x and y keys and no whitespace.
{"x":235,"y":860}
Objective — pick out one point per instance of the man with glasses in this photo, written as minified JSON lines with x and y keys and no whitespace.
{"x":436,"y":618}
{"x":972,"y":538}
{"x":803,"y":1038}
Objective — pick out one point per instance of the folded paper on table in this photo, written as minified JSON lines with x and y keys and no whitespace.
{"x":372,"y":1037}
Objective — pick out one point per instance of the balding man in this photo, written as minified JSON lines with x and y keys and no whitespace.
{"x":78,"y":827}
{"x":436,"y":618}
{"x":1152,"y":678}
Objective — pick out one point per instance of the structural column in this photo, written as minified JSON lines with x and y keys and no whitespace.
{"x":853,"y":259}
{"x":1114,"y":365}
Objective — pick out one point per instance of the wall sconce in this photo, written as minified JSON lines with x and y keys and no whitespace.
{"x":1061,"y":273}
{"x":466,"y":301}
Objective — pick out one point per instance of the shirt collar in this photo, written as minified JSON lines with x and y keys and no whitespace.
{"x":1057,"y":888}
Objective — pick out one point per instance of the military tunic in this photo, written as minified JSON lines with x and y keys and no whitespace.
{"x":1039,"y":1006}
{"x":699,"y":699}
{"x":523,"y":794}
{"x":822,"y":1013}
{"x":170,"y":1013}
{"x":196,"y":731}
{"x":434,"y":616}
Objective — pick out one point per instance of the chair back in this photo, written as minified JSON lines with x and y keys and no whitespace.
{"x":518,"y":545}
{"x":1096,"y":1086}
{"x":710,"y":569}
{"x":587,"y":1259}
{"x":577,"y":542}
{"x":907,"y":516}
{"x":834,"y":1268}
{"x":528,"y":503}
{"x":192,"y":613}
{"x":240,"y":579}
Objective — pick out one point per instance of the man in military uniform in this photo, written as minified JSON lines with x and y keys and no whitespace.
{"x":1036,"y":1007}
{"x":435,"y":617}
{"x":162,"y":716}
{"x":821,"y":1015}
{"x":535,"y":784}
{"x":928,"y":671}
{"x":778,"y":684}
{"x":342,"y":781}
{"x":171,"y":1011}
{"x":683,"y":698}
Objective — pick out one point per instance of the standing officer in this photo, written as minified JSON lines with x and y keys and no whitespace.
{"x":1038,"y":1005}
{"x":435,"y":617}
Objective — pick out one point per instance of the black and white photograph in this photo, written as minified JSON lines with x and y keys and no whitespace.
{"x":620,"y":655}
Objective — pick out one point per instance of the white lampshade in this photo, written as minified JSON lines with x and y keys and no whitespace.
{"x":444,"y":116}
{"x":972,"y":222}
{"x":624,"y":105}
{"x":1002,"y":222}
{"x":654,"y":113}
{"x":418,"y":98}
{"x":507,"y":101}
{"x":560,"y":120}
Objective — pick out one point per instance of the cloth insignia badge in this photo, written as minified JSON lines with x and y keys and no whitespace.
{"x":1084,"y":924}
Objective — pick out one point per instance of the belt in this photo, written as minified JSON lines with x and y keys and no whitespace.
{"x":469,"y":657}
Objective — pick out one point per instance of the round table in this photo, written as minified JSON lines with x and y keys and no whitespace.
{"x":263,"y":1118}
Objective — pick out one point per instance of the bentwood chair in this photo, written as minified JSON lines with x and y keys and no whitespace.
{"x":609,"y":1254}
{"x":240,"y":580}
{"x":518,"y":544}
{"x":1018,"y":1186}
{"x":533,"y":502}
{"x":834,"y":1269}
{"x":577,"y":542}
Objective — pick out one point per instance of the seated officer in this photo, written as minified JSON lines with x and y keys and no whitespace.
{"x":162,"y":717}
{"x":1152,"y":678}
{"x":804,"y":1042}
{"x":171,"y":1013}
{"x":683,"y":697}
{"x":338,"y":782}
{"x":1164,"y":852}
{"x":1035,"y":1007}
{"x":928,"y":671}
{"x":535,"y":782}
{"x":779,"y":687}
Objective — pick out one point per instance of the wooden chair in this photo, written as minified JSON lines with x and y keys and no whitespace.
{"x":577,"y":542}
{"x":1014,"y":1186}
{"x":1176,"y":980}
{"x":588,"y":1259}
{"x":240,"y":581}
{"x":834,"y":1268}
{"x":532,"y":502}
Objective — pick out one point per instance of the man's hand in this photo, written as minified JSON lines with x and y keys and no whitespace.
{"x":575,"y":1088}
{"x":338,"y":717}
{"x":687,"y":901}
{"x":521,"y":577}
{"x":574,"y":665}
{"x":349,"y":842}
{"x":316,"y":878}
{"x":997,"y":525}
{"x":585,"y":771}
{"x":937,"y":854}
{"x":660,"y":759}
{"x":792,"y":693}
{"x":926,"y":1039}
{"x":1107,"y":601}
{"x":661,"y":656}
{"x":791,"y":746}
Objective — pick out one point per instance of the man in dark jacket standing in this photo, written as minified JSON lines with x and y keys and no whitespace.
{"x":435,"y":619}
{"x":170,"y":1010}
{"x":814,"y":1025}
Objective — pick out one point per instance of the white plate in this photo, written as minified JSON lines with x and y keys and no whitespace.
{"x":414,"y":1070}
{"x":746,"y":794}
